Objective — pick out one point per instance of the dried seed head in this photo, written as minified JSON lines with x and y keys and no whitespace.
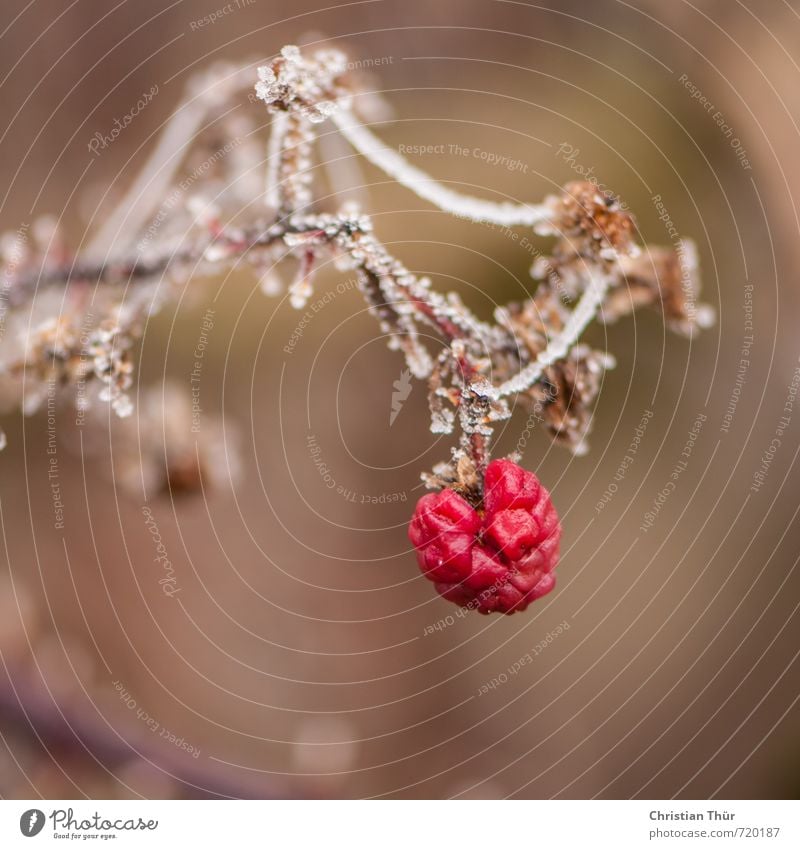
{"x":460,"y":474}
{"x":595,"y":223}
{"x":564,"y":396}
{"x":664,"y":278}
{"x":310,"y":86}
{"x":567,"y":394}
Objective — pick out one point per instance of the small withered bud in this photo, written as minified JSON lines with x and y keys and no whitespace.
{"x":566,"y":395}
{"x":460,"y":474}
{"x":595,"y":222}
{"x":666,"y":279}
{"x":311,"y":86}
{"x":563,"y":398}
{"x":184,"y":476}
{"x":534,"y":320}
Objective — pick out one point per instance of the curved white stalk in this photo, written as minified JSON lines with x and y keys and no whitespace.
{"x":559,"y":346}
{"x":342,"y":168}
{"x":475,"y":209}
{"x":426,"y":187}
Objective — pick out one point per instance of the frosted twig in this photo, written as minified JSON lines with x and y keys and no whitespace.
{"x":586,"y":309}
{"x":426,"y":187}
{"x":277,"y":138}
{"x":532,"y":350}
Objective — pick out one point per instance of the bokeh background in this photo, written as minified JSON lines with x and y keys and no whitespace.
{"x":302,"y":656}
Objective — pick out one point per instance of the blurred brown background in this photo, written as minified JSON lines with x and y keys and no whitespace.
{"x":295,"y":660}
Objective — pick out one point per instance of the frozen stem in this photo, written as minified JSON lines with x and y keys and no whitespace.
{"x":533,"y":350}
{"x":426,"y":187}
{"x":559,"y":346}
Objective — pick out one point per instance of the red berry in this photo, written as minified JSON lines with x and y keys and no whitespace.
{"x":498,"y":558}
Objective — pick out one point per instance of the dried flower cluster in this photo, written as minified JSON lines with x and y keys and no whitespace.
{"x":142,"y":256}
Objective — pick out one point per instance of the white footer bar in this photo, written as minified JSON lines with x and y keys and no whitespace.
{"x":402,"y":824}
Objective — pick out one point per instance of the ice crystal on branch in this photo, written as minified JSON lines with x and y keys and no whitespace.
{"x":532,"y":350}
{"x":308,"y":86}
{"x":595,"y":224}
{"x":299,"y":91}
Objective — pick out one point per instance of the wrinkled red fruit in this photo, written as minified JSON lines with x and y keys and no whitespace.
{"x":499,"y":558}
